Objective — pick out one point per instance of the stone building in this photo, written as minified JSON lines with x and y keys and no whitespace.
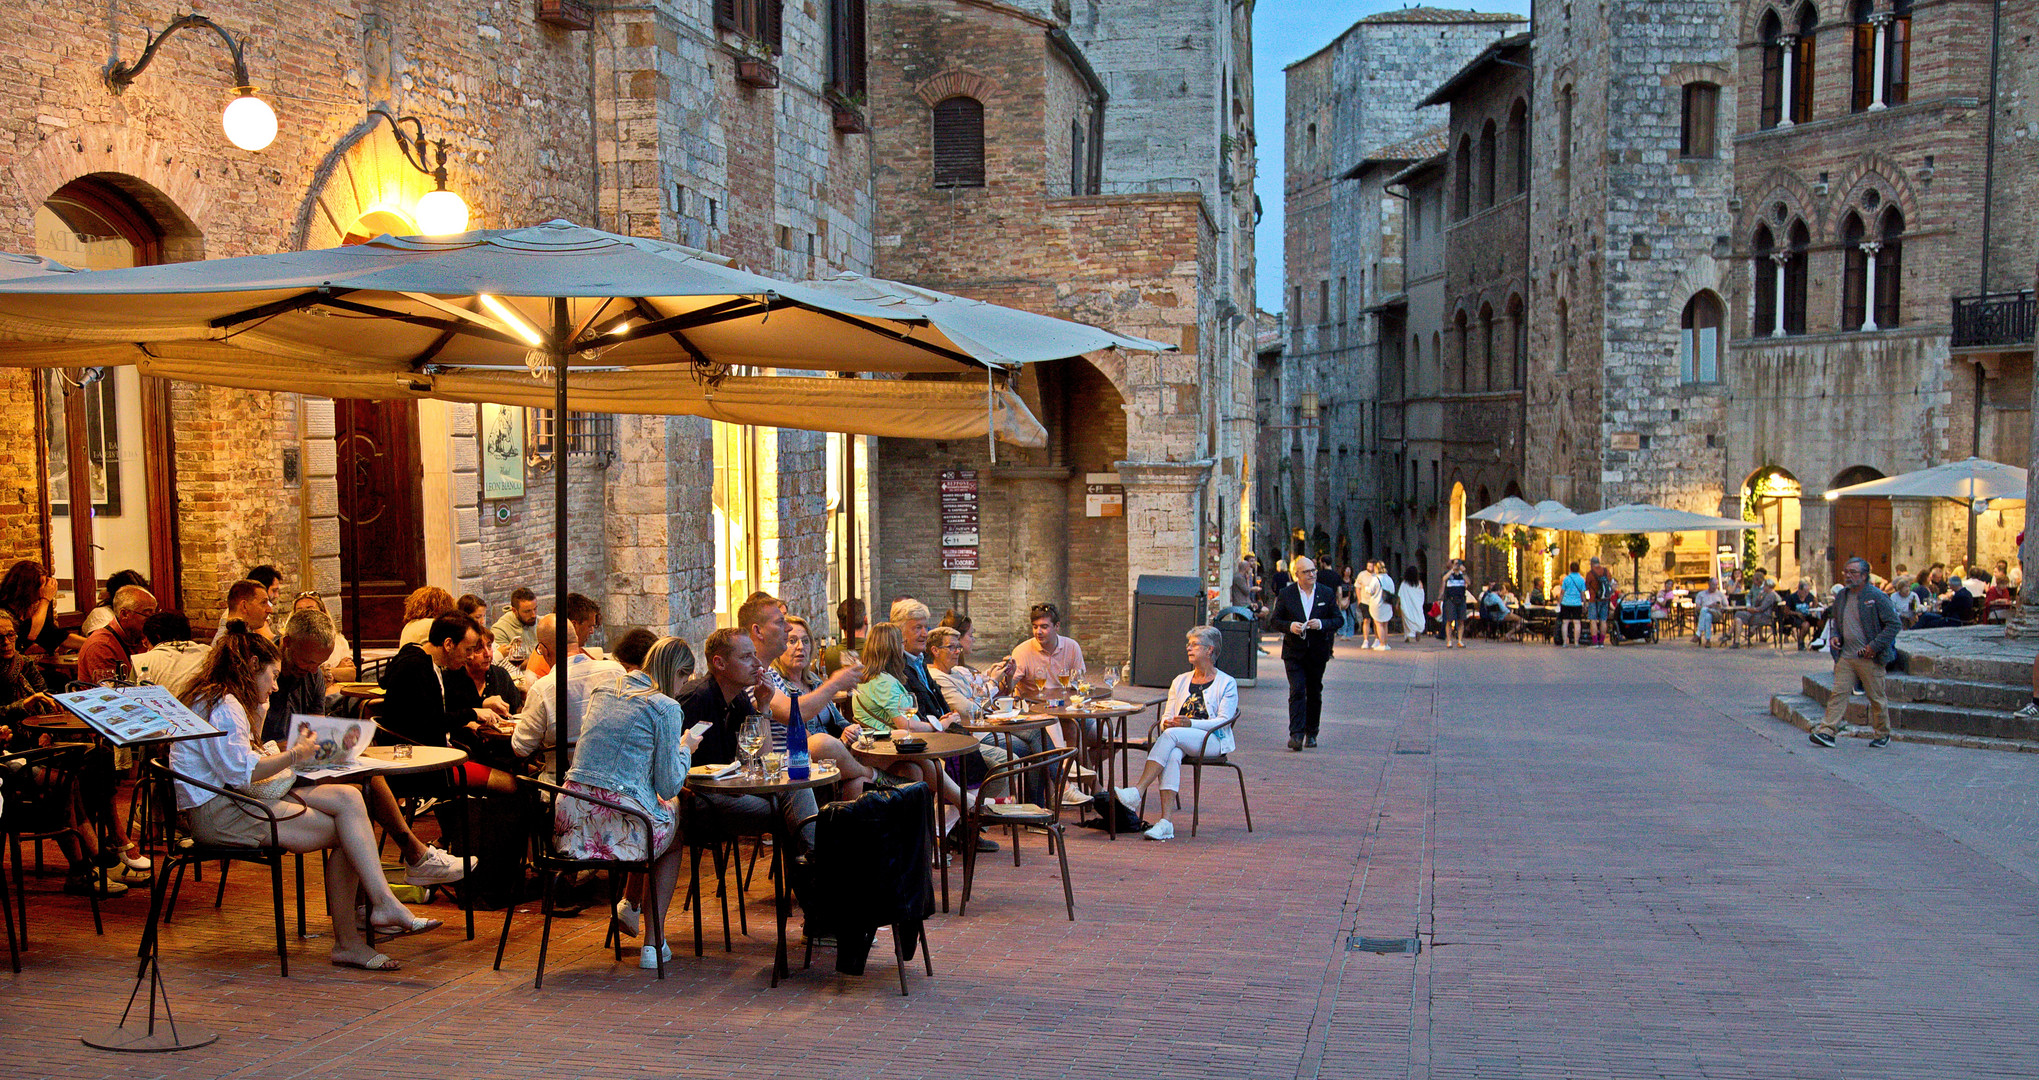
{"x":1005,"y":172}
{"x":1354,"y":118}
{"x":733,"y":127}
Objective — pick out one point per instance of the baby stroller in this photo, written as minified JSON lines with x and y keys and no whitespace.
{"x":1632,"y":620}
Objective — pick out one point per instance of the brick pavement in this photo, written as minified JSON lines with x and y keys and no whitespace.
{"x":1617,"y":863}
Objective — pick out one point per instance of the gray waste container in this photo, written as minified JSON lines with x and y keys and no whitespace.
{"x":1239,"y":645}
{"x":1164,"y":610}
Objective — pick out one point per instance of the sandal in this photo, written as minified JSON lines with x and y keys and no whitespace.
{"x":378,"y":962}
{"x":415,"y":926}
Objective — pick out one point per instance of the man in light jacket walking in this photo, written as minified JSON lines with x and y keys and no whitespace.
{"x":1862,"y":636}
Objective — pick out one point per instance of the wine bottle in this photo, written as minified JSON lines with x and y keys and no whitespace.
{"x":796,"y":741}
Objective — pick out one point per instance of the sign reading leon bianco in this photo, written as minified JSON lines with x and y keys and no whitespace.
{"x":1103,"y":495}
{"x":960,"y":533}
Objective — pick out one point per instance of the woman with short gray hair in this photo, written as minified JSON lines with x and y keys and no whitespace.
{"x":1202,"y":702}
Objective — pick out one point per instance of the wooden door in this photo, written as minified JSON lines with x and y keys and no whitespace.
{"x":1862,"y":527}
{"x":382,"y":535}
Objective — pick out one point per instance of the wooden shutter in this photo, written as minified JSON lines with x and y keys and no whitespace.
{"x":771,"y":24}
{"x":959,"y":142}
{"x":725,"y":15}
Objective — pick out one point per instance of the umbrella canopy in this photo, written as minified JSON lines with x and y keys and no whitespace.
{"x":1967,"y":480}
{"x":1645,"y":518}
{"x":1547,"y":513}
{"x":1509,"y":511}
{"x":646,"y":327}
{"x":987,"y":332}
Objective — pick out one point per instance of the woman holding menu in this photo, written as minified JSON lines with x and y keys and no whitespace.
{"x":232,"y":690}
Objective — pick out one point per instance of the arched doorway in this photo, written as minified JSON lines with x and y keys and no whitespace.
{"x":1860,"y":526}
{"x":105,"y":432}
{"x":1770,"y":497}
{"x":1456,"y":522}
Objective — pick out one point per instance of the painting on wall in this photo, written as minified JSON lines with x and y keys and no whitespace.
{"x":502,"y":452}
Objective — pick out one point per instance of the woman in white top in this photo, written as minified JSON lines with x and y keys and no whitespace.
{"x":1199,"y":701}
{"x":1410,"y":596}
{"x":232,"y":690}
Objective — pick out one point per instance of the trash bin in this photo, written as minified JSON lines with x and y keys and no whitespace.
{"x":1239,"y":645}
{"x":1164,"y":611}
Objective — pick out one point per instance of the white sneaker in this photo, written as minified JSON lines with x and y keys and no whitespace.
{"x":1162,"y":830}
{"x":627,"y":918}
{"x":139,"y":862}
{"x":648,"y":957}
{"x":1380,"y":646}
{"x":1074,"y":796}
{"x":435,"y":867}
{"x":1129,"y":797}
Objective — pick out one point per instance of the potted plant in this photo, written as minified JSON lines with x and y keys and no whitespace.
{"x":754,"y":67}
{"x":849,"y":113}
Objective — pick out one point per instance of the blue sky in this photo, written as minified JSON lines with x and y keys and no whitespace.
{"x":1285,"y":31}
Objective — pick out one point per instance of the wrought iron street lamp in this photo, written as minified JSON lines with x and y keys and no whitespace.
{"x":248,"y":121}
{"x":440,"y":212}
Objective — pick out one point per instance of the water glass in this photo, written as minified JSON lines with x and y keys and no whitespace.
{"x":775,"y":765}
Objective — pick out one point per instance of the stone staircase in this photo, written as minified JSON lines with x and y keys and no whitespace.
{"x":1958,"y":687}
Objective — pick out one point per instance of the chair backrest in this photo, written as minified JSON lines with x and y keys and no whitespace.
{"x":872,"y":862}
{"x":1048,"y":768}
{"x":548,"y":796}
{"x":254,"y":807}
{"x":40,"y":784}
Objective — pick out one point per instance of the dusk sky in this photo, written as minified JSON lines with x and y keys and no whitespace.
{"x":1285,"y":31}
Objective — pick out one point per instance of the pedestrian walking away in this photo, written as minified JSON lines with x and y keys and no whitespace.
{"x":1415,"y":620}
{"x":1862,"y":637}
{"x":1366,"y":588}
{"x":1571,"y":606}
{"x":1306,"y":613}
{"x":1453,"y":595}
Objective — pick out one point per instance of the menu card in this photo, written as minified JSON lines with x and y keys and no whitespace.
{"x":127,"y":715}
{"x":340,"y":740}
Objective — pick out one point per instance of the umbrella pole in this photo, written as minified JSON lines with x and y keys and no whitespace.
{"x":354,"y":540}
{"x":560,"y":329}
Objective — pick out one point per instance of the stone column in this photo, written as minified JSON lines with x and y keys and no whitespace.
{"x":1881,"y":21}
{"x":1780,"y":259}
{"x":1869,"y":248}
{"x":1161,"y":518}
{"x":1788,"y":43}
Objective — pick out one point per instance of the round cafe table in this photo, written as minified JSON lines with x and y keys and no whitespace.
{"x":773,"y":791}
{"x":423,"y":759}
{"x":940,"y":746}
{"x":59,"y":726}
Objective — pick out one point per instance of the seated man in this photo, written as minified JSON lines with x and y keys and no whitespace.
{"x":516,"y":630}
{"x":306,"y":644}
{"x":723,"y":697}
{"x":109,"y":653}
{"x":763,"y":617}
{"x":427,"y":699}
{"x":537,"y":726}
{"x":584,"y":615}
{"x":1037,"y":665}
{"x":1764,"y":608}
{"x":173,"y":658}
{"x":1959,"y":606}
{"x":249,"y":601}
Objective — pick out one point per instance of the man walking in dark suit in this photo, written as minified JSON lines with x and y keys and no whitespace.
{"x":1306,"y":613}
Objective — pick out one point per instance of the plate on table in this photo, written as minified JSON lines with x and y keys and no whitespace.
{"x":1005,"y":717}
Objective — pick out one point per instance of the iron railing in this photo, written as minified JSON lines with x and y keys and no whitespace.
{"x":1995,"y":319}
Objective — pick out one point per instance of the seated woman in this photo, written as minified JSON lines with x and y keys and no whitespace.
{"x":420,"y":608}
{"x":883,"y":703}
{"x":1199,"y":700}
{"x":232,"y":690}
{"x":634,"y":750}
{"x":798,"y":668}
{"x":793,"y":675}
{"x":968,"y":694}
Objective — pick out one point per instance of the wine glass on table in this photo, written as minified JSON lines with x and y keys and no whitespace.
{"x":750,"y":738}
{"x":1111,"y":678}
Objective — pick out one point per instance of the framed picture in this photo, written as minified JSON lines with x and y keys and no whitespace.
{"x":502,"y":452}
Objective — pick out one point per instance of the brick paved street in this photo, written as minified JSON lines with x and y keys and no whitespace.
{"x":1618,"y":863}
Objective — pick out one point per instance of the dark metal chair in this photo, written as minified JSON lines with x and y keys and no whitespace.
{"x":1202,"y":760}
{"x":914,"y":875}
{"x":550,"y":864}
{"x":43,"y":807}
{"x":1049,"y":767}
{"x":169,"y":881}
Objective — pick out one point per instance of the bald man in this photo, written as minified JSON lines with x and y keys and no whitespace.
{"x":1306,"y":612}
{"x":110,"y":651}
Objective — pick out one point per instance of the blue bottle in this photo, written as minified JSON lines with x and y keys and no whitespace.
{"x":796,"y":742}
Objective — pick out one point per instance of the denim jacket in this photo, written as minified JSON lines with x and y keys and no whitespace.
{"x":1879,"y":621}
{"x":630,"y":742}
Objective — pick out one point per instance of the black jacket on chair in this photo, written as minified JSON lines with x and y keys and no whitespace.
{"x":1291,"y":607}
{"x":870,"y":868}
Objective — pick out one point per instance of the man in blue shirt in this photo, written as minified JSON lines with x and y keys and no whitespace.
{"x":1571,"y":606}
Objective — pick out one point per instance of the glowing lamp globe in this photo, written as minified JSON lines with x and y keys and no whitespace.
{"x":441,"y":213}
{"x":249,"y":121}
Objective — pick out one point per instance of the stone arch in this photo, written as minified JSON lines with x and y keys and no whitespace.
{"x":1704,"y":273}
{"x":1785,"y":186}
{"x":1788,"y":15}
{"x":1681,"y":74}
{"x":955,"y":82}
{"x":1877,"y":171}
{"x":171,"y":190}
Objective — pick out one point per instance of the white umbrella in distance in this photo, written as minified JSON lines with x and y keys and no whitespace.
{"x":1509,"y":511}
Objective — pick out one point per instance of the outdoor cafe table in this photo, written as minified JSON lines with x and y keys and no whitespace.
{"x":1022,"y":724}
{"x":773,"y":791}
{"x":1110,"y":715}
{"x":940,"y":746}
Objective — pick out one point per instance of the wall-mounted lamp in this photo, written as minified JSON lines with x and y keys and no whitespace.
{"x":1308,"y":405}
{"x":248,"y":121}
{"x":440,"y":212}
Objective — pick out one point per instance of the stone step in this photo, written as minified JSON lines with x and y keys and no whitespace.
{"x":1803,"y":713}
{"x":1949,"y":719}
{"x":1969,"y":668}
{"x":1973,"y":695}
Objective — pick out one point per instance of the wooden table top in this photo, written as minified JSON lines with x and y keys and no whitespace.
{"x":940,"y":744}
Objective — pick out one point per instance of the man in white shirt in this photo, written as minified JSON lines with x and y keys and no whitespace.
{"x":536,"y":728}
{"x":173,"y":658}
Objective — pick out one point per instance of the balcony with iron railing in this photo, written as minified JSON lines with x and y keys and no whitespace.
{"x":1995,"y":320}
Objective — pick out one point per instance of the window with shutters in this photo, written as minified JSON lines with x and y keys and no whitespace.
{"x":1771,"y":34}
{"x":1864,"y":87}
{"x":959,"y":142}
{"x":1462,"y":180}
{"x":1802,"y":65}
{"x":1763,"y":308}
{"x":846,"y":53}
{"x":1701,"y":111}
{"x":1699,"y":339}
{"x":1889,"y":268}
{"x":1855,"y":274}
{"x":1489,"y":166}
{"x":1797,"y":274}
{"x":1897,"y":54}
{"x":756,"y":20}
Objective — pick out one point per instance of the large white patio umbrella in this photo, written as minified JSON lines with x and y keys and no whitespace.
{"x":1509,"y":511}
{"x":485,"y":315}
{"x":1548,"y":512}
{"x":1646,"y":518}
{"x":1977,"y":483}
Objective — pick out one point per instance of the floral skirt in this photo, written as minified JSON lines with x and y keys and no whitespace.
{"x":585,"y":830}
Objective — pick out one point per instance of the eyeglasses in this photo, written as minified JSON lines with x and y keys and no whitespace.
{"x":308,"y":594}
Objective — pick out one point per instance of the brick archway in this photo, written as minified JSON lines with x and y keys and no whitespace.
{"x":150,"y":172}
